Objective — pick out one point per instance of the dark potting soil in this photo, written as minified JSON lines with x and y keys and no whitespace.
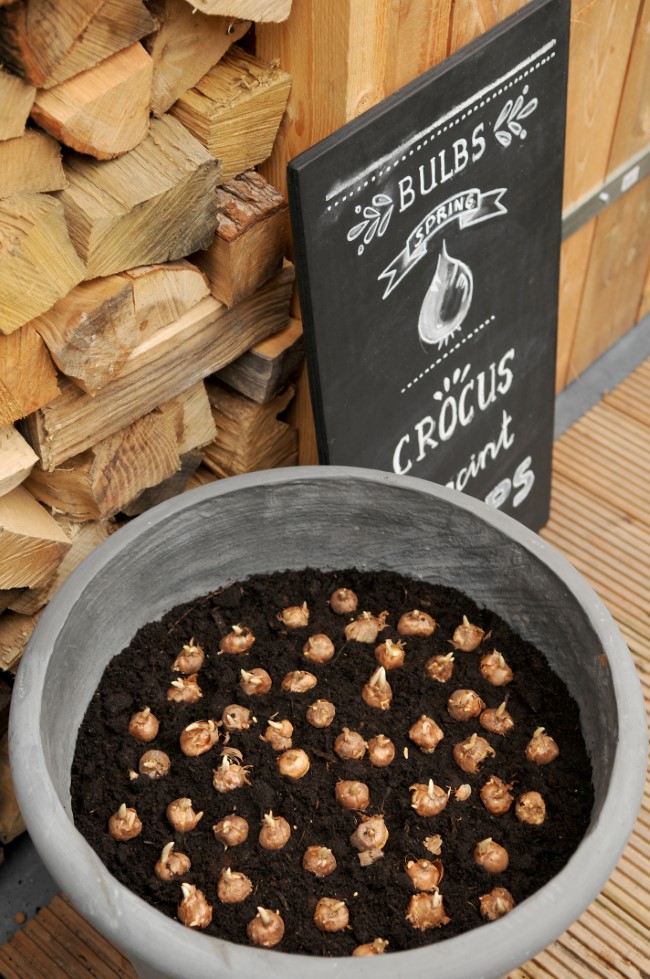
{"x":377,"y":896}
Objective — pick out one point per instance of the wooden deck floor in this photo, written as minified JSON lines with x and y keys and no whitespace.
{"x":600,"y":520}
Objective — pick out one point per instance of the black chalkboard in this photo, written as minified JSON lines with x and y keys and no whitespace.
{"x":427,"y":236}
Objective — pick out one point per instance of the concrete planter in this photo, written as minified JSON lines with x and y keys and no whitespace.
{"x":328,"y":518}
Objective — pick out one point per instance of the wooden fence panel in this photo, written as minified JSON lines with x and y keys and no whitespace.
{"x":601,"y":37}
{"x":632,"y":133}
{"x":615,"y":277}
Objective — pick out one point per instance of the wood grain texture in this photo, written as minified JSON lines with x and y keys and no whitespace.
{"x":601,"y":38}
{"x":97,"y":483}
{"x":47,"y":42}
{"x":103,"y":111}
{"x":418,"y":39}
{"x":153,"y":204}
{"x":16,"y":99}
{"x":249,"y":436}
{"x":84,"y":538}
{"x":632,"y":132}
{"x":263,"y":371}
{"x":574,"y":263}
{"x":30,"y":164}
{"x":235,"y":110}
{"x":257,"y":10}
{"x":28,"y":378}
{"x":17,"y":459}
{"x":186,"y":44}
{"x":615,"y":278}
{"x":38,"y":264}
{"x":32,"y":544}
{"x":191,"y":348}
{"x":300,"y":414}
{"x":91,"y":331}
{"x":471,"y":18}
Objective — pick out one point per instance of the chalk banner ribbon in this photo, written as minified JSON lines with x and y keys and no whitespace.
{"x":468,"y":207}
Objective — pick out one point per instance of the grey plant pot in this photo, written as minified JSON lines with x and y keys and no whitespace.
{"x":326,"y":517}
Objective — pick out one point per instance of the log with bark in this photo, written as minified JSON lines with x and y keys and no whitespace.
{"x":251,"y":238}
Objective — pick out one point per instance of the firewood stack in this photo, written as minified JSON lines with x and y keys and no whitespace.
{"x":140,"y":254}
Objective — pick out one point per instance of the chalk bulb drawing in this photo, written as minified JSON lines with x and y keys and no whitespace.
{"x":447,"y":300}
{"x":510,"y":116}
{"x":374,"y":221}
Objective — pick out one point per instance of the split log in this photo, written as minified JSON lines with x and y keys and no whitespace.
{"x":190,"y":415}
{"x":38,"y":264}
{"x":97,"y":483}
{"x":11,"y":821}
{"x":103,"y":111}
{"x":268,"y":366}
{"x":256,"y":10}
{"x":200,"y":477}
{"x":91,"y":331}
{"x":169,"y":488}
{"x":249,"y":436}
{"x":17,"y":459}
{"x":84,"y":538}
{"x":196,"y":345}
{"x":7,"y":597}
{"x":154,"y":203}
{"x":16,"y":99}
{"x":30,"y":164}
{"x":163,"y":292}
{"x":32,"y":544}
{"x":100,"y":482}
{"x":28,"y":378}
{"x":15,"y":632}
{"x":47,"y":42}
{"x":250,"y":241}
{"x":185,"y":46}
{"x":235,"y":110}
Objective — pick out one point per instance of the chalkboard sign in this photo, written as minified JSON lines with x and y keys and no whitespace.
{"x":427,"y":236}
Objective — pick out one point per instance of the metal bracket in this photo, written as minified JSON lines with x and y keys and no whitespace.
{"x":614,"y":187}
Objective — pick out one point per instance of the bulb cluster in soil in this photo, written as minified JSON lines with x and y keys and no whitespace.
{"x":342,"y":763}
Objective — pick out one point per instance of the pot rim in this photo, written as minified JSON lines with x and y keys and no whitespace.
{"x":488,"y":951}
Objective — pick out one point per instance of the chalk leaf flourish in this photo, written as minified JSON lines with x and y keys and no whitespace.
{"x":376,"y":218}
{"x":510,"y":118}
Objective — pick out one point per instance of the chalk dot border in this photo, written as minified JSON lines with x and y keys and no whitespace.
{"x":430,"y":137}
{"x":448,"y":353}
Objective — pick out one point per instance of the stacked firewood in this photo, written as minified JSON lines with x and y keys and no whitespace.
{"x":146,"y":344}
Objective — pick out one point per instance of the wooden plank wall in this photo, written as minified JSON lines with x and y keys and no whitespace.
{"x":346,"y":55}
